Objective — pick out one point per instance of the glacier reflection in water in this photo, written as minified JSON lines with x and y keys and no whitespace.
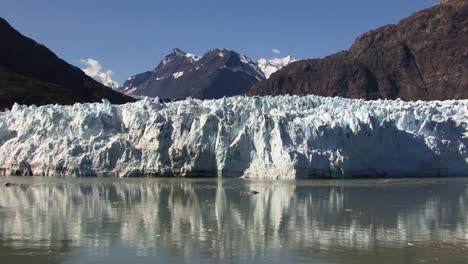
{"x":199,"y":220}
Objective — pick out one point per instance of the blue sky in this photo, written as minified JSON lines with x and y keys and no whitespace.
{"x":133,"y":36}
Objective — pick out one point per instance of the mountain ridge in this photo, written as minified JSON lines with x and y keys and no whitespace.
{"x":30,"y":73}
{"x":217,"y":73}
{"x":423,"y":57}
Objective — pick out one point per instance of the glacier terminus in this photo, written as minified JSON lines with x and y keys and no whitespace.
{"x":284,"y":137}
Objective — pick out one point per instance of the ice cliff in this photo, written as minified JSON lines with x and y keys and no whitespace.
{"x":283,"y":137}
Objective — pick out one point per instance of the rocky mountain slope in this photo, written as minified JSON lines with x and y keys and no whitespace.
{"x":218,"y":73}
{"x":423,"y":57}
{"x":32,"y":74}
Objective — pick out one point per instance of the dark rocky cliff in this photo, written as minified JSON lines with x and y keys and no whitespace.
{"x":423,"y":57}
{"x":32,"y":74}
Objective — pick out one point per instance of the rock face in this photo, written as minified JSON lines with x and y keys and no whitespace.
{"x":218,"y":73}
{"x":32,"y":74}
{"x":258,"y":137}
{"x":423,"y":57}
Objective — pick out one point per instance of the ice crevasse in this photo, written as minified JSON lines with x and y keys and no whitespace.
{"x":284,"y":137}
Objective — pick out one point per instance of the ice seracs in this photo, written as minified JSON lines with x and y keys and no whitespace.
{"x":284,"y":137}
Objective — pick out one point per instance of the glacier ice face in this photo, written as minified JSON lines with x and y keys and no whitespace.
{"x":286,"y":137}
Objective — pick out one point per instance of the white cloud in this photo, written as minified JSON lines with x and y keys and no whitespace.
{"x":95,"y":70}
{"x":276,"y":51}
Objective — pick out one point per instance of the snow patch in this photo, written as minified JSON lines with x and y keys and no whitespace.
{"x":192,"y":57}
{"x":177,"y":74}
{"x":244,"y":59}
{"x":130,"y":90}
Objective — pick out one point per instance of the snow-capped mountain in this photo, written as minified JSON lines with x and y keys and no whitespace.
{"x":422,"y":57}
{"x":218,"y":73}
{"x":107,"y":81}
{"x":94,"y":70}
{"x":270,"y":66}
{"x":283,"y":137}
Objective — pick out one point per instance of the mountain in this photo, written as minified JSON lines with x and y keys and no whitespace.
{"x":218,"y":73}
{"x":94,"y":70}
{"x":423,"y":57}
{"x":32,"y":74}
{"x":270,"y":66}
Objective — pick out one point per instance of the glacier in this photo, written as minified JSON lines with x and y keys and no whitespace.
{"x":284,"y":137}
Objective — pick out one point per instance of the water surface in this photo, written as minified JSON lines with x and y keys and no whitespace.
{"x":46,"y":220}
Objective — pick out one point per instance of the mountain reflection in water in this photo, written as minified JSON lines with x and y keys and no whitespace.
{"x":200,"y":220}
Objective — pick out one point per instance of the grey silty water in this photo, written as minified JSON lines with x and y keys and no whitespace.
{"x":209,"y":221}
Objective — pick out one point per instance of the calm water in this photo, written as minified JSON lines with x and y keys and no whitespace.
{"x":208,"y":221}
